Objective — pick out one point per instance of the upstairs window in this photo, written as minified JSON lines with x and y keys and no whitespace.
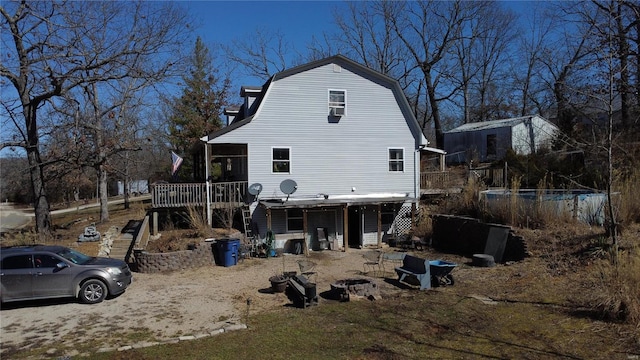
{"x":337,"y":102}
{"x":281,"y":160}
{"x":396,"y":160}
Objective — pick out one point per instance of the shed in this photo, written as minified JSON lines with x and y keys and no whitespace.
{"x":490,"y":140}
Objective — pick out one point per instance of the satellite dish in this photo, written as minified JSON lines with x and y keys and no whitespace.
{"x":255,"y":189}
{"x":288,"y":187}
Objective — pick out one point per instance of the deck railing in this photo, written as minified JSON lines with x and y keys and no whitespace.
{"x":435,"y":180}
{"x":195,"y":194}
{"x":492,"y":177}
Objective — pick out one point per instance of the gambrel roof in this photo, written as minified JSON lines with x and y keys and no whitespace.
{"x":341,"y":60}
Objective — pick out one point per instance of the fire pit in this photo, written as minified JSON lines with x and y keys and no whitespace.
{"x":343,"y":290}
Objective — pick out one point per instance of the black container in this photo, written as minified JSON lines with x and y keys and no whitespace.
{"x":310,"y":290}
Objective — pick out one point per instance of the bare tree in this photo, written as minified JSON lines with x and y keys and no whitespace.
{"x":565,"y":58}
{"x":428,"y":29}
{"x":481,"y":55}
{"x":526,"y":72}
{"x":53,"y":47}
{"x":625,"y":17}
{"x":262,"y":54}
{"x":368,"y":37}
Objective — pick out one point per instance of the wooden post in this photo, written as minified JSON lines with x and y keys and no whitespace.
{"x":305,"y":232}
{"x":268,"y":219}
{"x":504,"y":176}
{"x":345,"y":228}
{"x":379,"y":226}
{"x":155,"y":223}
{"x":413,"y":217}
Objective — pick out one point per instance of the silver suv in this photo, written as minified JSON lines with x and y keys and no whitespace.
{"x":39,"y":272}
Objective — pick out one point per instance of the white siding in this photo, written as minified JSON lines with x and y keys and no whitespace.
{"x":329,"y":156}
{"x":537,"y":128}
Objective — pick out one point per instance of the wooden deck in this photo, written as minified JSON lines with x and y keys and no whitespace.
{"x":223,"y":194}
{"x":172,"y":195}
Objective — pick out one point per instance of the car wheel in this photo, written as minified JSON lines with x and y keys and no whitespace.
{"x":92,"y":291}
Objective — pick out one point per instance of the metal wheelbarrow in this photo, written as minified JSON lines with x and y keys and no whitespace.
{"x":441,"y":272}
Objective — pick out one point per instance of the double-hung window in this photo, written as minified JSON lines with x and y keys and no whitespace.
{"x":337,"y":102}
{"x":396,"y":160}
{"x":281,"y":160}
{"x":294,"y":220}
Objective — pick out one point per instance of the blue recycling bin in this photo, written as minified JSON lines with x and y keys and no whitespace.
{"x":227,"y":251}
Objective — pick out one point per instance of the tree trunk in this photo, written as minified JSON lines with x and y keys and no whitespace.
{"x":565,"y":118}
{"x":623,"y":52}
{"x":437,"y":126}
{"x":467,"y":106}
{"x":126,"y":181}
{"x":126,"y":192}
{"x":104,"y":198}
{"x":40,"y":201}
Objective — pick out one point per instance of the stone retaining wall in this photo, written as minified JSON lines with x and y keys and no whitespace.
{"x":201,"y":255}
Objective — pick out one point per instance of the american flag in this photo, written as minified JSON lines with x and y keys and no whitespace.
{"x":176,"y":162}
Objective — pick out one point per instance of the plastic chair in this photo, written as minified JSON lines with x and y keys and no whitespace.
{"x":395,"y":258}
{"x":373,"y":261}
{"x":308,"y":269}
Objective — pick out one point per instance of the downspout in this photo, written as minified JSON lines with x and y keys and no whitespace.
{"x":207,"y":182}
{"x":416,"y":171}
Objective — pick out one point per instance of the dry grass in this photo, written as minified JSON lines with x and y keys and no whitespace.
{"x":198,"y":222}
{"x":617,"y":285}
{"x":628,"y":204}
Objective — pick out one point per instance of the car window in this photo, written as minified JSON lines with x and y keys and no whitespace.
{"x":74,"y":256}
{"x":16,"y":262}
{"x":45,"y":261}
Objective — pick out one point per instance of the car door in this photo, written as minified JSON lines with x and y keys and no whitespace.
{"x":49,"y":280}
{"x":16,"y":277}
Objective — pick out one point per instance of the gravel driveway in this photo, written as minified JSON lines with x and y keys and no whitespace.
{"x":161,"y":307}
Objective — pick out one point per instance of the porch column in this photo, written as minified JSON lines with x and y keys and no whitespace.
{"x":305,"y":232}
{"x":345,"y":228}
{"x":207,"y":184}
{"x":379,"y":225}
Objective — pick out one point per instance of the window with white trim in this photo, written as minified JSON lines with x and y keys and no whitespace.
{"x":281,"y":160}
{"x":294,"y":220}
{"x":337,"y":102}
{"x":396,"y":160}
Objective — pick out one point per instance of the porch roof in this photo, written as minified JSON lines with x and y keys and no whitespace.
{"x":282,"y":203}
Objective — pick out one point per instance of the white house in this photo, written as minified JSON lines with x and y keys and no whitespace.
{"x":490,"y":140}
{"x":330,"y":147}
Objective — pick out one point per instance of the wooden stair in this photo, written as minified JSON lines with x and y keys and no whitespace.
{"x":122,"y":245}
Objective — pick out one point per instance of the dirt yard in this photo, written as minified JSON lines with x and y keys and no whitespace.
{"x":167,"y":306}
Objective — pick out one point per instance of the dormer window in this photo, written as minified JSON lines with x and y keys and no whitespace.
{"x":337,"y":102}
